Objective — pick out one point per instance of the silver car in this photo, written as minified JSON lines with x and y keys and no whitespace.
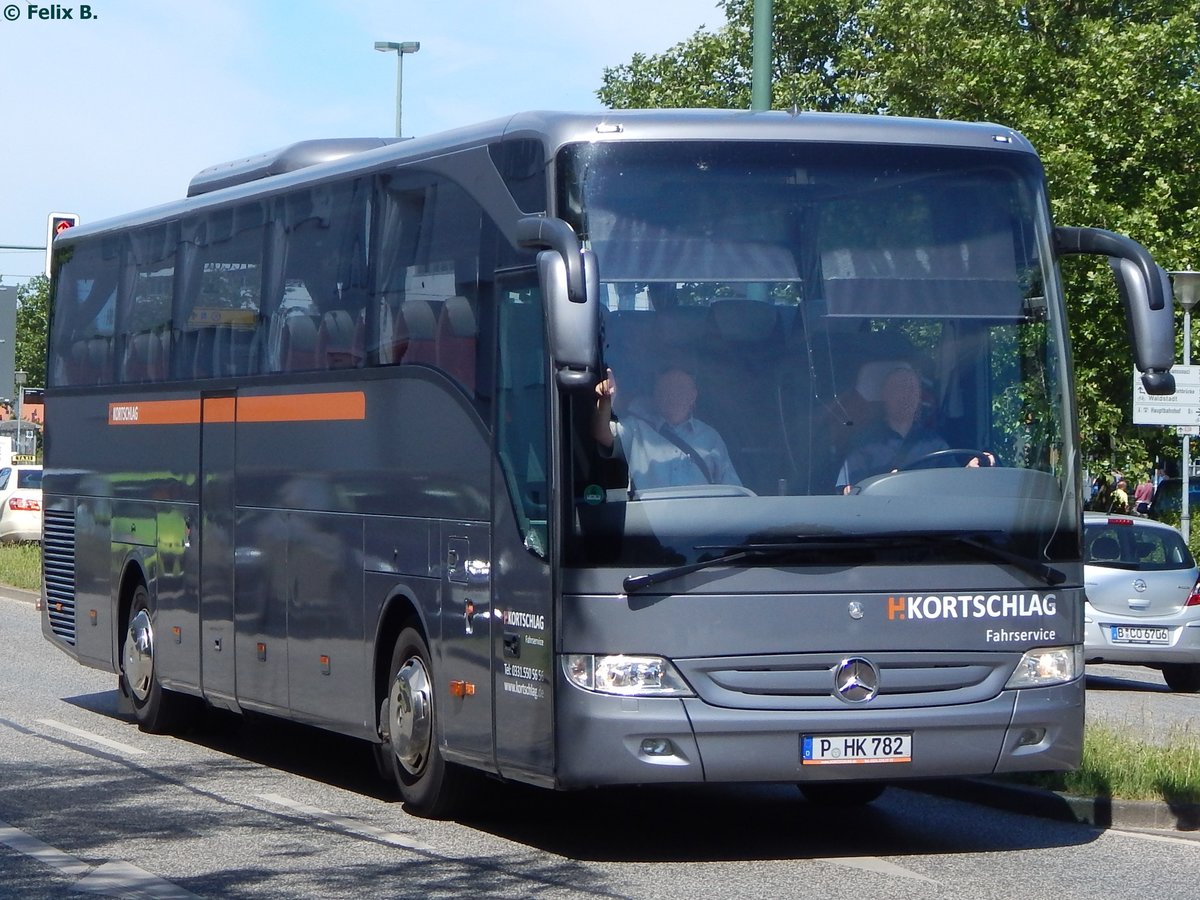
{"x":1143,"y":597}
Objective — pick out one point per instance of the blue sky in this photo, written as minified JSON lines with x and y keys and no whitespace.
{"x":116,"y":112}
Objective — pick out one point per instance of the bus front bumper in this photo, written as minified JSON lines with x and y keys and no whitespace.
{"x":609,"y":740}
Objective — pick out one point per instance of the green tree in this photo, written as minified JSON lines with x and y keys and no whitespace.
{"x":33,"y":304}
{"x":1107,"y":91}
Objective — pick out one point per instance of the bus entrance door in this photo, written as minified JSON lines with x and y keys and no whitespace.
{"x":466,"y":681}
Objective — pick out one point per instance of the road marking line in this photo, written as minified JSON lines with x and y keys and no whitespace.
{"x":877,"y":865}
{"x":350,"y":826}
{"x":28,"y":845}
{"x":1162,"y":838}
{"x":115,"y":878}
{"x":122,"y":879}
{"x":93,"y":738}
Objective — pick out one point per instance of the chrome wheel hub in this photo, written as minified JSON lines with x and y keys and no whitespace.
{"x":410,"y":719}
{"x":138,"y":657}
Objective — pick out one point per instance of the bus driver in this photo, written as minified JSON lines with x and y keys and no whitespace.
{"x":663,"y":444}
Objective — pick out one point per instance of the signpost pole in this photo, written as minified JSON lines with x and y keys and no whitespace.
{"x":1186,"y":287}
{"x":1185,"y":476}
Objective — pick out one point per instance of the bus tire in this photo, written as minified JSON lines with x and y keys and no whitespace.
{"x":852,"y":793}
{"x":409,"y":755}
{"x":158,"y":711}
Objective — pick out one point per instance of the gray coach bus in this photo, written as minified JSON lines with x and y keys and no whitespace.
{"x":334,"y":439}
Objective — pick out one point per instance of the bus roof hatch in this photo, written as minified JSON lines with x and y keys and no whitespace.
{"x":277,"y":162}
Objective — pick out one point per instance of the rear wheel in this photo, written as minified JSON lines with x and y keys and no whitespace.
{"x":409,"y":755}
{"x":1182,"y":677}
{"x":158,"y":710}
{"x":854,"y":793}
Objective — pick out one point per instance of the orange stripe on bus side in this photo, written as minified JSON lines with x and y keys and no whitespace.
{"x":154,"y":412}
{"x":339,"y":406}
{"x":333,"y":407}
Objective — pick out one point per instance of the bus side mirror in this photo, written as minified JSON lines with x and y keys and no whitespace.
{"x":574,"y":328}
{"x":570,"y":287}
{"x":1145,"y":291}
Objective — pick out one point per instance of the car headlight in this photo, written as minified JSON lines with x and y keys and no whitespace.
{"x":629,"y":676}
{"x":1046,"y":666}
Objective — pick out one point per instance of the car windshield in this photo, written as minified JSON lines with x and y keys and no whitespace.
{"x":1118,"y":544}
{"x":819,"y":339}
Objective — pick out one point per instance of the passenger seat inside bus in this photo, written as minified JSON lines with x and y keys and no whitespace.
{"x":739,"y":391}
{"x":143,"y":359}
{"x":298,"y":343}
{"x":335,"y":341}
{"x":456,"y":341}
{"x":233,"y":350}
{"x":419,"y":321}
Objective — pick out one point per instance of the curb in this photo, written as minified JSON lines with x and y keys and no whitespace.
{"x":21,"y":595}
{"x":1101,"y":812}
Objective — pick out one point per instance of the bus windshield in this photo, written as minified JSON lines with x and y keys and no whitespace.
{"x":814,"y":340}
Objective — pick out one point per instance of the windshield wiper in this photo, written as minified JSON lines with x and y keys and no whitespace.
{"x":1038,"y":569}
{"x":729,"y":554}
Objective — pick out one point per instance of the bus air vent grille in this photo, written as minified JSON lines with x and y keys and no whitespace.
{"x":58,"y":555}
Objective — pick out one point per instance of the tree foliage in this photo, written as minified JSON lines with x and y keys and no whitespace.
{"x":1108,"y":92}
{"x":33,"y":303}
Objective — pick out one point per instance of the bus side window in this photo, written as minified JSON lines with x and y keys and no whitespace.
{"x":144,"y":314}
{"x":222,"y":298}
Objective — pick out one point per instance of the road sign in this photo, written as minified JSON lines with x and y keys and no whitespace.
{"x":1180,"y":408}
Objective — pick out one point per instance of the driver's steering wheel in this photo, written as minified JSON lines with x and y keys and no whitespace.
{"x":940,"y":459}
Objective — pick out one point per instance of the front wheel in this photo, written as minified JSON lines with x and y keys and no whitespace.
{"x":1183,"y":678}
{"x":409,"y":755}
{"x":158,"y":710}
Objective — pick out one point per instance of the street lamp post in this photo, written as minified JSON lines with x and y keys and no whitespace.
{"x":400,"y":48}
{"x":19,"y":384}
{"x":1186,"y":287}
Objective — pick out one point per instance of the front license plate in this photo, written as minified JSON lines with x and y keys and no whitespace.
{"x":851,"y":749}
{"x":1139,"y":634}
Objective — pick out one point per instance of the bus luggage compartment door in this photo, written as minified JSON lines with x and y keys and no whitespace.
{"x":217,"y":462}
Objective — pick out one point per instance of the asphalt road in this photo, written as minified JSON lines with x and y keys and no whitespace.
{"x":90,"y":804}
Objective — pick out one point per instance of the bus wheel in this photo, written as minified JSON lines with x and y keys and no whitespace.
{"x":854,"y":793}
{"x":409,"y":755}
{"x":158,"y":711}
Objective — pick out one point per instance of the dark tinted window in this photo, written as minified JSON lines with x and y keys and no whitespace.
{"x":522,"y":165}
{"x":29,"y":478}
{"x":83,"y":313}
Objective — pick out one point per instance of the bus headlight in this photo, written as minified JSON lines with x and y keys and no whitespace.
{"x":1046,"y":666}
{"x":629,"y":676}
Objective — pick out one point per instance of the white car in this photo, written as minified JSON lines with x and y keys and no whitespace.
{"x":1143,"y":597}
{"x":21,"y":503}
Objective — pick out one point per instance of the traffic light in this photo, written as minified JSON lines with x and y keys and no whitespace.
{"x":57,"y":223}
{"x":60,"y":222}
